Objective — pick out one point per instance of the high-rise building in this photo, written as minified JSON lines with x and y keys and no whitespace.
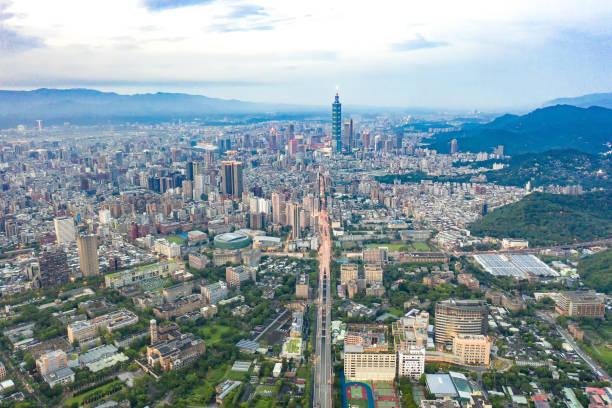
{"x":273,"y":139}
{"x":231,"y":178}
{"x":278,"y":208}
{"x":88,"y":254}
{"x":293,"y":215}
{"x":454,"y":317}
{"x":198,"y":186}
{"x":64,"y":229}
{"x":365,"y":140}
{"x":290,"y":131}
{"x":188,"y":189}
{"x":224,"y":144}
{"x":292,"y":147}
{"x":53,"y":268}
{"x":177,"y":154}
{"x":348,"y":134}
{"x":336,"y":139}
{"x":257,"y":221}
{"x":453,"y":146}
{"x":189,"y":170}
{"x":399,"y":137}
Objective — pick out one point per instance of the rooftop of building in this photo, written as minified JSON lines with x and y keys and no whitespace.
{"x":583,"y":296}
{"x":440,"y":384}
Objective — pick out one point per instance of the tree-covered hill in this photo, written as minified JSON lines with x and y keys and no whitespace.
{"x":554,"y":127}
{"x":551,"y":219}
{"x":561,"y":167}
{"x":596,"y":271}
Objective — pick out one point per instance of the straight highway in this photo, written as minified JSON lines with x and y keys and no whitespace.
{"x":323,"y":378}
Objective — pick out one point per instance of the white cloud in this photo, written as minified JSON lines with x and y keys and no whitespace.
{"x":308,"y":47}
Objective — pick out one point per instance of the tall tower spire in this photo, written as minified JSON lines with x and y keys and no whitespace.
{"x":336,"y":124}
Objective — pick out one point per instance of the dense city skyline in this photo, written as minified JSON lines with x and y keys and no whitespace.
{"x":444,"y":55}
{"x":200,"y":220}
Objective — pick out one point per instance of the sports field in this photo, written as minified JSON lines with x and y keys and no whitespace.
{"x":384,"y":394}
{"x":356,"y":396}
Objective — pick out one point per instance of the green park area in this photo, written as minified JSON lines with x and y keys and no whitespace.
{"x":94,"y":395}
{"x":420,"y":246}
{"x":407,"y":246}
{"x":216,"y":333}
{"x":175,"y":240}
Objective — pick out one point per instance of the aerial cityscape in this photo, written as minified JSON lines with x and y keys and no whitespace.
{"x":301,"y":248}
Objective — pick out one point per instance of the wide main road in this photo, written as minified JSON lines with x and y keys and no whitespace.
{"x":322,"y":385}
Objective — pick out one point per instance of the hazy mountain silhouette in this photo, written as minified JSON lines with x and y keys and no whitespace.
{"x":86,"y":106}
{"x":554,"y":127}
{"x":585,"y":101}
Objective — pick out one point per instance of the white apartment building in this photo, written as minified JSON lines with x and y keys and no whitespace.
{"x":411,"y":362}
{"x":64,"y":229}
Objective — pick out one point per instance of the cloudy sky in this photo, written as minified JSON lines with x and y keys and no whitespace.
{"x":481,"y":54}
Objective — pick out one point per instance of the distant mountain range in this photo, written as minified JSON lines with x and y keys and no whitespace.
{"x":554,"y":127}
{"x":585,"y":101}
{"x":86,"y":106}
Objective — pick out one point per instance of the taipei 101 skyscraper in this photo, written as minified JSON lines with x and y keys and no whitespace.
{"x":336,"y":140}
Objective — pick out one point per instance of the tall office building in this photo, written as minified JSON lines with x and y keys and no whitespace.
{"x":292,"y":147}
{"x":293,"y":215}
{"x":199,"y":182}
{"x":278,"y":208}
{"x":290,"y":131}
{"x":64,"y":229}
{"x":454,"y":317}
{"x":187,"y":189}
{"x":53,"y":268}
{"x":189,"y":170}
{"x":88,"y":254}
{"x":348,"y":134}
{"x":365,"y":140}
{"x":454,"y":147}
{"x":336,"y":125}
{"x":399,"y":137}
{"x":231,"y":178}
